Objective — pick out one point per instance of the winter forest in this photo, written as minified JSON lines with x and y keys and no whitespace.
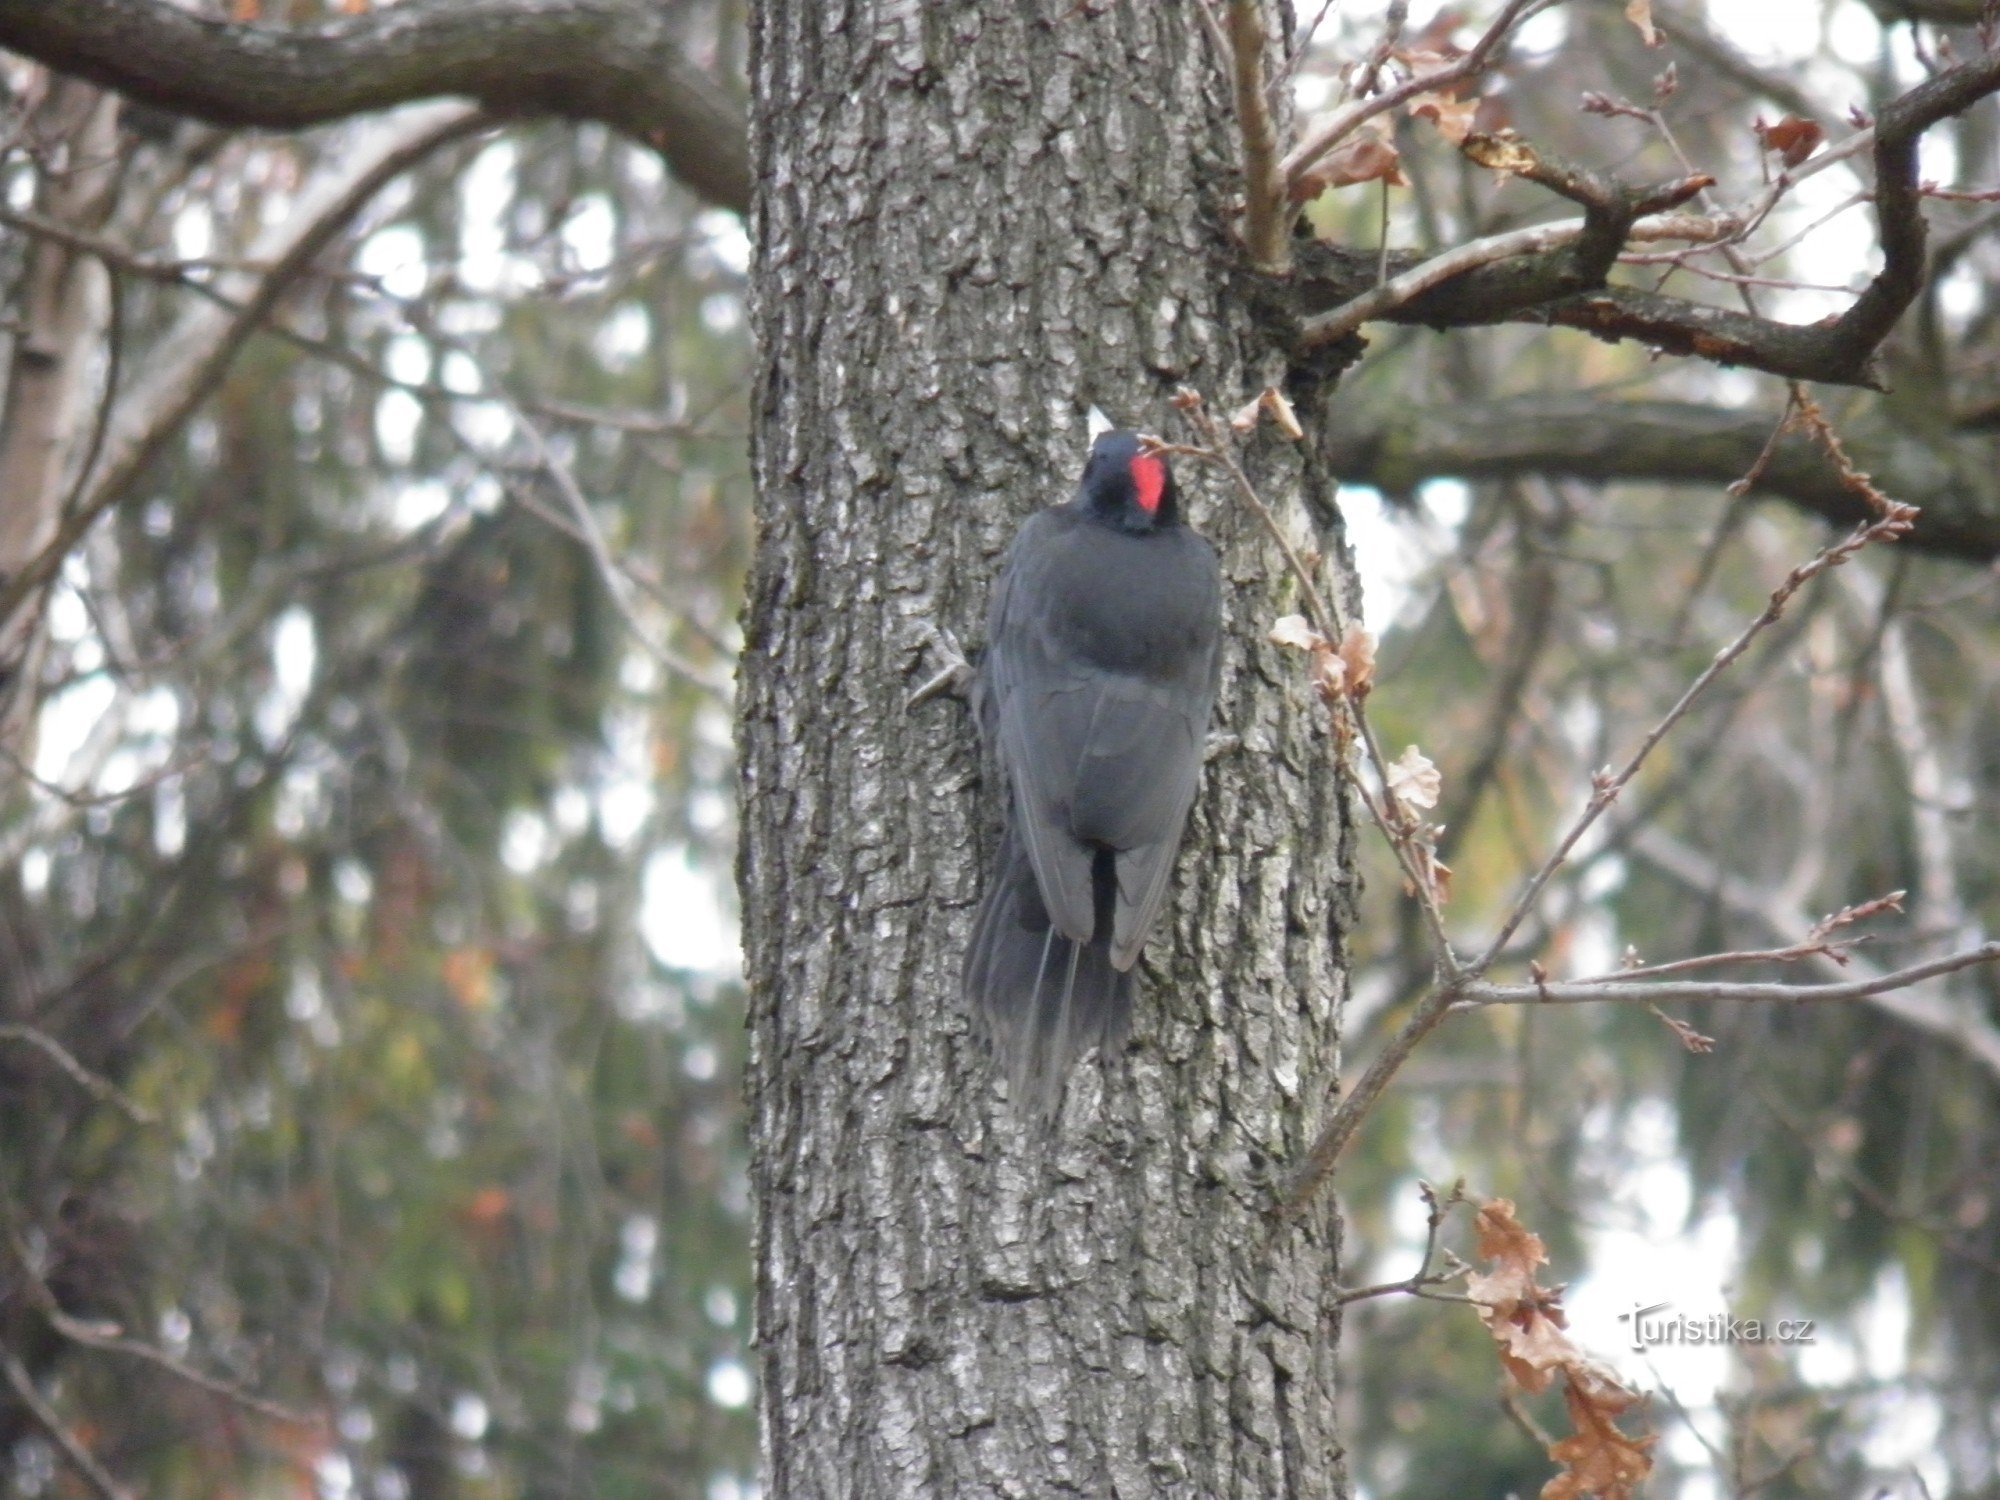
{"x":483,"y":484}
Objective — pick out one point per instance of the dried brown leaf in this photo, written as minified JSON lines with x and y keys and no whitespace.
{"x":1357,"y":652}
{"x":1366,"y":158}
{"x":1598,"y":1459}
{"x":1329,"y":675}
{"x":1413,"y":780}
{"x":1527,"y":1322}
{"x":1793,"y":138}
{"x":1295,"y":631}
{"x":1279,"y":406}
{"x":1454,"y":118}
{"x":1640,"y":14}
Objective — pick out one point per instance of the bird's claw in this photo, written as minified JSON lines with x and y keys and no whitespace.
{"x":956,"y":675}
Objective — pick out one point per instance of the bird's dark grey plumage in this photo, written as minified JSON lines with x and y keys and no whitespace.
{"x":1094,"y":696}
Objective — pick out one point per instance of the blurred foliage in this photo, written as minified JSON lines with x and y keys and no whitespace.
{"x":373,"y":877}
{"x":1824,"y":1162}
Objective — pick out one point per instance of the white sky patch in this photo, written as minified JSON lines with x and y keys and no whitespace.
{"x":418,"y":503}
{"x":485,"y":192}
{"x":458,"y":373}
{"x":683,"y":919}
{"x":469,"y":1416}
{"x":622,"y":810}
{"x":294,"y":659}
{"x":623,"y":337}
{"x":194,"y":233}
{"x":169,"y":818}
{"x":1648,"y":1254}
{"x":395,"y":256}
{"x":398,"y":415}
{"x":1393,"y":548}
{"x":726,"y":239}
{"x":591,"y":233}
{"x":486,"y":425}
{"x":67,"y":723}
{"x":408,"y":359}
{"x":1541,"y":35}
{"x":721,"y":312}
{"x":525,"y":842}
{"x":729,"y":1384}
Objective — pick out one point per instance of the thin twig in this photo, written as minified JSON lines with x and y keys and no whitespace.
{"x":1606,"y":785}
{"x":1330,"y":624}
{"x":1477,"y":995}
{"x":81,"y":1459}
{"x":1345,"y":121}
{"x":81,"y":1332}
{"x":1424,"y":1282}
{"x":98,"y":1087}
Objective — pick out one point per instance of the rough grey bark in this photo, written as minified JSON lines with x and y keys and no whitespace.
{"x":970,"y":225}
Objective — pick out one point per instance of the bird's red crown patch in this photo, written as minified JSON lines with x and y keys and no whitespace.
{"x":1149,"y":481}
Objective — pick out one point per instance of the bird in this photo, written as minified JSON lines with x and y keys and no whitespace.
{"x":1093,"y":696}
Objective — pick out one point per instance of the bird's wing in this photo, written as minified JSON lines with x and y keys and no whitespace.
{"x":1027,"y":691}
{"x":1096,"y":758}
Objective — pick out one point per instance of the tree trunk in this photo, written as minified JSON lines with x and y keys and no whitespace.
{"x":971,"y":225}
{"x":65,"y":307}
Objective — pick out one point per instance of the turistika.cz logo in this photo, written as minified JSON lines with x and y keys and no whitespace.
{"x":1653,"y":1326}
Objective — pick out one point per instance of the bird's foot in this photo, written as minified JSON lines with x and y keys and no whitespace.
{"x":1220,"y":744}
{"x":956,"y":675}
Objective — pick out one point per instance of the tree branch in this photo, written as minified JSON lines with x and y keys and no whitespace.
{"x":95,"y":1475}
{"x":98,"y":1087}
{"x":1564,"y":285}
{"x":615,"y":61}
{"x":195,"y":354}
{"x":1639,"y":990}
{"x":1586,"y":436}
{"x":1265,"y":227}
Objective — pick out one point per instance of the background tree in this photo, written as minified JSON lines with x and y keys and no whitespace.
{"x":374,"y":524}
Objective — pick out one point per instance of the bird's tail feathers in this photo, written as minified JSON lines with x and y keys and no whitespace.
{"x":1043,"y":999}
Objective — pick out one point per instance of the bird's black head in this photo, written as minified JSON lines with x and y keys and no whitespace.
{"x":1126,"y":486}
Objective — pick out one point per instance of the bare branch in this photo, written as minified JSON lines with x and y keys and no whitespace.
{"x":195,"y":355}
{"x":1264,"y":226}
{"x":611,"y":60}
{"x":1587,"y":435}
{"x":1424,"y":1282}
{"x":80,"y":1458}
{"x":100,"y":1088}
{"x":1478,"y":995}
{"x":1407,"y":286}
{"x":93,"y":1337}
{"x":1920,"y":1008}
{"x":1607,"y":785}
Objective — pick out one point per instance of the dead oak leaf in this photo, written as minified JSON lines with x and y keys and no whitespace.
{"x":1599,"y":1459}
{"x":1413,"y":780}
{"x":1794,"y":138}
{"x":1366,"y":158}
{"x":1454,"y":118}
